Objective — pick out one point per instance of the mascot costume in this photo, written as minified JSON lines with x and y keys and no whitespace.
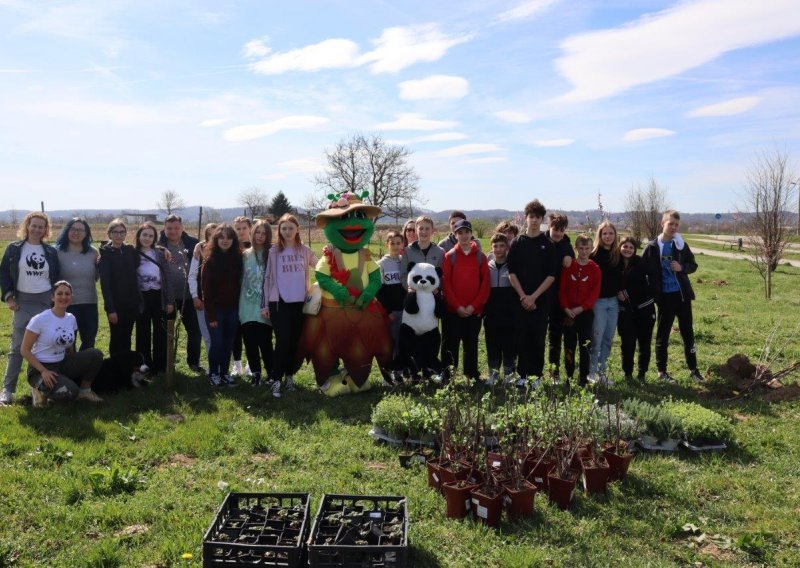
{"x":351,"y":325}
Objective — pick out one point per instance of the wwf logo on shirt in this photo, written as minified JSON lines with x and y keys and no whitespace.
{"x":35,"y":260}
{"x":64,"y":337}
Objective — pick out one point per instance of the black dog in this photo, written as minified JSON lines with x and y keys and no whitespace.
{"x":121,"y":371}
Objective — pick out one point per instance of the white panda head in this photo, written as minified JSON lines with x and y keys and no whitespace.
{"x":423,"y":277}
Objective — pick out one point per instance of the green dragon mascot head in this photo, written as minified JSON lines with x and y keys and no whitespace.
{"x":348,"y":222}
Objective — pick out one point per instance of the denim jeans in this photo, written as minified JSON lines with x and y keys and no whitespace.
{"x":606,"y":311}
{"x":219,"y":358}
{"x":86,"y":316}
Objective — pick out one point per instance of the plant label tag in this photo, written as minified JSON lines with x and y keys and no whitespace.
{"x":538,"y":480}
{"x":495,"y":463}
{"x":435,"y":478}
{"x":467,"y":504}
{"x":375,"y":515}
{"x":483,"y":512}
{"x":474,"y":500}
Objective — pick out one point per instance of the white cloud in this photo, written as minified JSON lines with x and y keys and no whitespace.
{"x":525,"y":10}
{"x":253,"y":131}
{"x":656,"y":46}
{"x":434,"y":87}
{"x":396,"y":49}
{"x":554,"y":143}
{"x":414,"y":121}
{"x":466,"y":149}
{"x":401,"y":47}
{"x":490,"y":160}
{"x":513,"y":116}
{"x":328,"y":54}
{"x":208,"y":123}
{"x":727,"y":108}
{"x":646,"y":134}
{"x":256,"y":48}
{"x":438,"y":137}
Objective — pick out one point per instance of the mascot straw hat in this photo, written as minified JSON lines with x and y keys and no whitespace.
{"x":345,"y":204}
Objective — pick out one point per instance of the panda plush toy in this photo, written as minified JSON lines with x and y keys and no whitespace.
{"x":419,"y":333}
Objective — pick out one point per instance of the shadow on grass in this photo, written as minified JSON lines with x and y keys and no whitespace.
{"x":421,"y":557}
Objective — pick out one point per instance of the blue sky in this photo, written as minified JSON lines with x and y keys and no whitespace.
{"x":107,"y":103}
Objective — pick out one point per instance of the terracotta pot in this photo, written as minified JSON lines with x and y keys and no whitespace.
{"x":519,"y":500}
{"x":453,"y":471}
{"x":434,"y":472}
{"x":458,"y":498}
{"x":618,"y":463}
{"x":560,"y":490}
{"x":595,"y":475}
{"x":487,"y":508}
{"x":539,"y":472}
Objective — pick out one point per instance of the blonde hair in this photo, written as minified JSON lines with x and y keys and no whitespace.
{"x":424,"y":219}
{"x":22,"y":232}
{"x":598,"y":242}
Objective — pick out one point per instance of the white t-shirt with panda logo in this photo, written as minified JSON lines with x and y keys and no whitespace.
{"x":34,"y":272}
{"x":56,"y":335}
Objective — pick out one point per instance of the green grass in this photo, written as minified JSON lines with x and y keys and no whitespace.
{"x":178,"y":447}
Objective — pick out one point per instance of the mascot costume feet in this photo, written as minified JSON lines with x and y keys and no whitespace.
{"x":351,"y":325}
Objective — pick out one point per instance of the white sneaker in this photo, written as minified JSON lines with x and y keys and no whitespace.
{"x":592,"y":378}
{"x":39,"y":400}
{"x":289,"y":384}
{"x":236,"y":371}
{"x":6,"y":397}
{"x":276,"y":389}
{"x":247,"y":370}
{"x":214,"y":379}
{"x":494,"y":376}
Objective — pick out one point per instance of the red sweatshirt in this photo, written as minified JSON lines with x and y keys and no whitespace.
{"x":580,"y":286}
{"x":465,"y":280}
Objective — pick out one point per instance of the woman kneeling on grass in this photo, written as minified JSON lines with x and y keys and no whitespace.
{"x":48,"y":347}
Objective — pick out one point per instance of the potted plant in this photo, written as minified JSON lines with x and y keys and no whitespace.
{"x":660,"y":426}
{"x":388,"y":420}
{"x":616,"y":452}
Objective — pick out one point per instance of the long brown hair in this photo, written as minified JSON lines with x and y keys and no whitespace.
{"x":614,"y":250}
{"x":288,"y":218}
{"x":212,"y":251}
{"x":267,"y":242}
{"x":627,"y":263}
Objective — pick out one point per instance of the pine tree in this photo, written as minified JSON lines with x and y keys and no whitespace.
{"x":280,"y":205}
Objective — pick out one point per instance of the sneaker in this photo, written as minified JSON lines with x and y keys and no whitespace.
{"x":255,"y":379}
{"x":436,"y":379}
{"x":197,"y":369}
{"x":521,"y":382}
{"x":39,"y":400}
{"x":236,"y":371}
{"x":247,"y":370}
{"x":289,"y":387}
{"x":605,"y":381}
{"x":494,"y":376}
{"x":214,"y":379}
{"x":695,"y":376}
{"x":6,"y":397}
{"x":641,"y":377}
{"x":666,"y":378}
{"x":628,"y":377}
{"x":536,"y":382}
{"x":592,"y":378}
{"x":89,"y":395}
{"x":227,"y":380}
{"x":276,"y":389}
{"x":510,"y":379}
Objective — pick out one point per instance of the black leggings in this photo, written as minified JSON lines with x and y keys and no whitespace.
{"x":501,"y":345}
{"x":257,"y":338}
{"x":670,"y":306}
{"x":287,"y":321}
{"x":121,"y":332}
{"x":636,"y":326}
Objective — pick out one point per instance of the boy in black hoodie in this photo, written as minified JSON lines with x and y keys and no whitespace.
{"x":498,"y":322}
{"x":555,"y":322}
{"x":669,"y":261}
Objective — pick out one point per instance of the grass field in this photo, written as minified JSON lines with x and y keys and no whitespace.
{"x":60,"y":505}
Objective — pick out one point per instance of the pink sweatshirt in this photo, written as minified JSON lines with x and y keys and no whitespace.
{"x":286,"y":277}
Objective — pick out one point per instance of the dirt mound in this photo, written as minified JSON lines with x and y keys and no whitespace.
{"x":737,"y":369}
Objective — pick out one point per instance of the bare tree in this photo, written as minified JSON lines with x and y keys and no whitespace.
{"x":369,"y":163}
{"x":170,"y":202}
{"x":255,"y":201}
{"x":644,"y":207}
{"x":211,"y":215}
{"x":14,"y":217}
{"x":313,"y":204}
{"x":767,"y":198}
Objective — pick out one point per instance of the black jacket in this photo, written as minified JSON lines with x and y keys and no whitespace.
{"x":636,"y":285}
{"x":118,"y":280}
{"x":652,"y":261}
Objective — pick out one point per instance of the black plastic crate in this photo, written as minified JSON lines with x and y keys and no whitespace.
{"x":258,"y":529}
{"x":375,"y":534}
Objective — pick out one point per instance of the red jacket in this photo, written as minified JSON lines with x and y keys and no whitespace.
{"x":466,"y":280}
{"x":580,"y":286}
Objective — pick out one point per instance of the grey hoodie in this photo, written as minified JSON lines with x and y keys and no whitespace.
{"x":434,"y":256}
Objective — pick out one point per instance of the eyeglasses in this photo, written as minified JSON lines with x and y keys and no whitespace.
{"x":119,"y":232}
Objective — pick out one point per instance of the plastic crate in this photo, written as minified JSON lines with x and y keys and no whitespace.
{"x":258,"y":529}
{"x":385,"y":544}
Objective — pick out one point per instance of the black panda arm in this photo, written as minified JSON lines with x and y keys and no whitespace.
{"x":410,"y":304}
{"x":439,"y":310}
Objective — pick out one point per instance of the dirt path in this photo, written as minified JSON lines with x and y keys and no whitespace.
{"x":727,"y":239}
{"x":738,"y":256}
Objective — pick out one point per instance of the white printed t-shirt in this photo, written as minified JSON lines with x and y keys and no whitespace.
{"x":34,"y":272}
{"x":56,"y":335}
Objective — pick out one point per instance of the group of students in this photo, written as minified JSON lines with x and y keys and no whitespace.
{"x":533,"y":289}
{"x":239,"y":287}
